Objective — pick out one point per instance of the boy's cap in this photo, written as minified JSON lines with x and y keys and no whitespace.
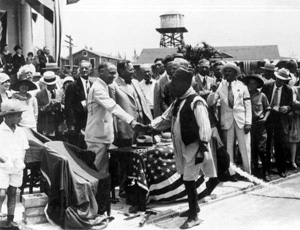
{"x":10,"y":107}
{"x":260,"y":82}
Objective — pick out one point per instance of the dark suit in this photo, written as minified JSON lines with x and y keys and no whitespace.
{"x":75,"y":113}
{"x":17,"y":62}
{"x":278,"y":126}
{"x":49,"y":116}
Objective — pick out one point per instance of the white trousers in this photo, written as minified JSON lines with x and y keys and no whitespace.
{"x":230,"y":136}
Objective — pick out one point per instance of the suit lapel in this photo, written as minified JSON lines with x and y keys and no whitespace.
{"x":123,"y":87}
{"x":80,"y":88}
{"x":45,"y":97}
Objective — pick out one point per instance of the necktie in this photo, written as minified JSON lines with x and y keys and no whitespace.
{"x":148,"y":82}
{"x":204,"y":81}
{"x":230,"y":96}
{"x":87,"y":87}
{"x":275,"y":98}
{"x":52,"y":94}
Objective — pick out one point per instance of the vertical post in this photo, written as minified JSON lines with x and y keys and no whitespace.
{"x":70,"y":46}
{"x":26,"y":29}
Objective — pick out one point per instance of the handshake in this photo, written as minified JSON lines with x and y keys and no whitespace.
{"x":138,"y":127}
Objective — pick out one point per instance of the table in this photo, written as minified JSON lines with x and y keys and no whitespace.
{"x":153,"y":171}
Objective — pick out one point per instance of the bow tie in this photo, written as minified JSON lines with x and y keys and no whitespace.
{"x":148,"y":82}
{"x":128,"y":82}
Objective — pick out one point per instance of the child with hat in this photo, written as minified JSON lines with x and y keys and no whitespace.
{"x":260,"y":113}
{"x":12,"y":152}
{"x":29,"y":102}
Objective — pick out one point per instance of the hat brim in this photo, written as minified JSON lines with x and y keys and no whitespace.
{"x":282,"y":78}
{"x":164,"y":143}
{"x":268,"y":69}
{"x":4,"y":113}
{"x":259,"y":80}
{"x":50,"y":83}
{"x":16,"y":86}
{"x":230,"y":66}
{"x":135,"y":146}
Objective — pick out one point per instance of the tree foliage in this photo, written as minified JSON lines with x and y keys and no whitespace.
{"x":200,"y":51}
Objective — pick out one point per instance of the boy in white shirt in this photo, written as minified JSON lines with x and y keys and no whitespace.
{"x":13,"y":143}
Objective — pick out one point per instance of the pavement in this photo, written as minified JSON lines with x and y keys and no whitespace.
{"x":224,"y":190}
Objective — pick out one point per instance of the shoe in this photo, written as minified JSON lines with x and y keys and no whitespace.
{"x":11,"y":224}
{"x":189,"y":223}
{"x":187,"y":213}
{"x":294,"y":166}
{"x":233,"y":178}
{"x":266,"y":178}
{"x":282,"y":175}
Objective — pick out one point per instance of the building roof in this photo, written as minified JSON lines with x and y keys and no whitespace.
{"x":98,"y":54}
{"x":250,"y":53}
{"x":238,"y":53}
{"x":149,"y":55}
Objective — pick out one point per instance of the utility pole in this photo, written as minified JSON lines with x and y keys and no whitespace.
{"x":70,"y":46}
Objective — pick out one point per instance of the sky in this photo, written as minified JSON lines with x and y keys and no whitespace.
{"x":122,"y":26}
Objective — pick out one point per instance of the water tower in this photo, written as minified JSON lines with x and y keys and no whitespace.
{"x":171,"y":29}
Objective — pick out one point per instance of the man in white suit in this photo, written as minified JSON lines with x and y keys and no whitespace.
{"x":236,"y":114}
{"x":99,"y":131}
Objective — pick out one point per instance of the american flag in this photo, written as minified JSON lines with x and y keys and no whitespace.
{"x":154,"y":170}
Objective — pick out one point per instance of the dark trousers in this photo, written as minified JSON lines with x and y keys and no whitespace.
{"x":275,"y":131}
{"x":258,"y":147}
{"x":123,"y":167}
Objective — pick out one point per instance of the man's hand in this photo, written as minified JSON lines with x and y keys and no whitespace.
{"x":283,"y":109}
{"x":214,"y":88}
{"x":136,"y":126}
{"x":261,"y":121}
{"x":247,"y":129}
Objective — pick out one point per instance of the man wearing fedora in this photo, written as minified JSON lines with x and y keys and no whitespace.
{"x":49,"y":106}
{"x":260,"y":113}
{"x":76,"y":104}
{"x":280,"y":96}
{"x":236,"y":115}
{"x":12,"y":153}
{"x":188,"y":119}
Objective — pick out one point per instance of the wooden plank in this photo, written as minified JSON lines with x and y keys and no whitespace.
{"x":35,"y":211}
{"x":30,"y":220}
{"x":34,"y":200}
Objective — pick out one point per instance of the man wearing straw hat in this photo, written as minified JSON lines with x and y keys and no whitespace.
{"x":49,"y":104}
{"x":268,"y":75}
{"x":280,"y":96}
{"x":236,"y":114}
{"x":12,"y":153}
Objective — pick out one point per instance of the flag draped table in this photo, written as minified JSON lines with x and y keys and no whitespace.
{"x":154,"y":171}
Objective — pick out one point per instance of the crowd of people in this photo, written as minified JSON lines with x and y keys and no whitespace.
{"x":259,"y":112}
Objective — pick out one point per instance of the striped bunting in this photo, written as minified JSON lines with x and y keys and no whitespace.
{"x":43,"y":7}
{"x":3,"y":26}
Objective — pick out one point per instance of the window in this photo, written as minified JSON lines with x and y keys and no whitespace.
{"x":92,"y":61}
